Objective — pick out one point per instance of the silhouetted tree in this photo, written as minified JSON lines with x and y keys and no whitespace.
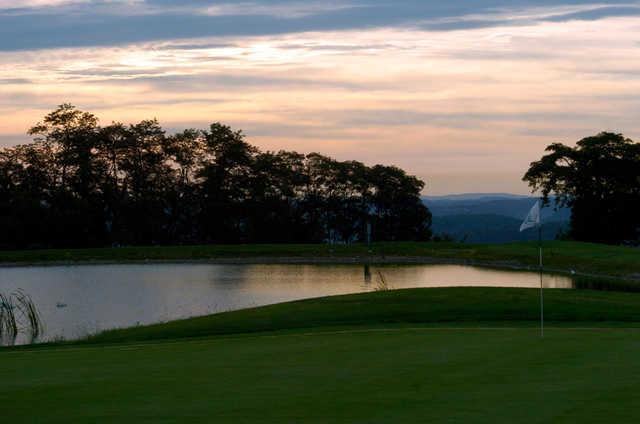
{"x":396,"y":205}
{"x":79,"y":184}
{"x":275,"y":184}
{"x":600,"y":180}
{"x":225,"y":173}
{"x":76,"y":212}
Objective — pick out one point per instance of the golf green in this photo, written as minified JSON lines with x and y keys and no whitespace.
{"x":422,"y":355}
{"x":366,"y":375}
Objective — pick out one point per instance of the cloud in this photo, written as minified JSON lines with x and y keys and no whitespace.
{"x":32,"y":4}
{"x":287,"y":10}
{"x":58,"y":7}
{"x":486,"y":91}
{"x":118,"y":22}
{"x":529,"y":14}
{"x":605,"y":11}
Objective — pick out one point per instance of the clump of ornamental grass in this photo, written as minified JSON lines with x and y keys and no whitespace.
{"x":31,"y":318}
{"x":8,"y":323}
{"x":382,"y":284}
{"x":19,"y":315}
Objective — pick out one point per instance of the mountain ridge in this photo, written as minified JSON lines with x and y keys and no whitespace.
{"x":492,"y":218}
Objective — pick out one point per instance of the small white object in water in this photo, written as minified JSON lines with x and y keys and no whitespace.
{"x":573,"y":272}
{"x":61,"y":305}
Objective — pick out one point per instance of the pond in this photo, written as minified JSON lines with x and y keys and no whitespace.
{"x":75,"y":301}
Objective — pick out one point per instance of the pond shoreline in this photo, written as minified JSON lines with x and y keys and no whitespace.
{"x":325,"y":260}
{"x":78,"y":300}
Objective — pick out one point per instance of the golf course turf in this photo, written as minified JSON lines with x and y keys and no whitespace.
{"x":420,"y":355}
{"x":439,"y":306}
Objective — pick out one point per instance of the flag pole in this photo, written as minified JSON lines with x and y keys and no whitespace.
{"x":541,"y":285}
{"x":533,"y":220}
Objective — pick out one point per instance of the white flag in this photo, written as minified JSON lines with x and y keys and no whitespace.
{"x":533,"y":219}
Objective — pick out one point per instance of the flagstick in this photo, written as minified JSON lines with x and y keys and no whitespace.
{"x":531,"y":221}
{"x":541,"y":286}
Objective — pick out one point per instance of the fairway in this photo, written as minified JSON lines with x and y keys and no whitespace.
{"x":373,"y":375}
{"x":420,"y":355}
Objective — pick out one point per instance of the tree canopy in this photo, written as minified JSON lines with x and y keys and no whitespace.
{"x":81,"y":184}
{"x":599,"y":179}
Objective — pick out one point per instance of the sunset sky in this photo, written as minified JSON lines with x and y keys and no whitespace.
{"x":464,"y":94}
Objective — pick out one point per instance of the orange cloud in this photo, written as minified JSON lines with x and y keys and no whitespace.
{"x":469,"y":107}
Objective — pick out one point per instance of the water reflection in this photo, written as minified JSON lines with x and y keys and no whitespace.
{"x":367,"y":273}
{"x":78,"y":300}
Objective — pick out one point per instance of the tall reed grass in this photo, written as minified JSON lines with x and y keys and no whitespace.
{"x":19,"y":315}
{"x":382,"y":284}
{"x":8,"y":323}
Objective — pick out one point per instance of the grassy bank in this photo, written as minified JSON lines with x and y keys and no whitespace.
{"x":561,"y":256}
{"x":384,"y":357}
{"x":445,"y":306}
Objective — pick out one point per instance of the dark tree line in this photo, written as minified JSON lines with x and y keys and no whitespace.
{"x":81,"y":184}
{"x":600,"y":180}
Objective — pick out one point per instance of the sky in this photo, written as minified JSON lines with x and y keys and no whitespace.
{"x":464,"y":94}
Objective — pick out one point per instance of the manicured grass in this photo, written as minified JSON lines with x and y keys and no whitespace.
{"x":406,"y":375}
{"x":457,"y":306}
{"x":419,"y":355}
{"x":560,"y":256}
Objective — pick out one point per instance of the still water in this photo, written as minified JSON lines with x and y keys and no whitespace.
{"x":75,"y":301}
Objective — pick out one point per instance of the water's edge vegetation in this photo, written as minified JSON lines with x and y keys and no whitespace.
{"x":440,"y":307}
{"x":559,"y":256}
{"x":613,"y":271}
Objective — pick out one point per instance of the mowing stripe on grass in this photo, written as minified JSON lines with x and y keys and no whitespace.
{"x":210,"y":340}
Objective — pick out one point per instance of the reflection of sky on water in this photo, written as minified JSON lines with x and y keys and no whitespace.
{"x":98,"y":297}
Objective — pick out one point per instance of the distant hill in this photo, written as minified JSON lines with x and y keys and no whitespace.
{"x":491,"y":204}
{"x":492,"y":228}
{"x":478,"y":196}
{"x":491,"y":218}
